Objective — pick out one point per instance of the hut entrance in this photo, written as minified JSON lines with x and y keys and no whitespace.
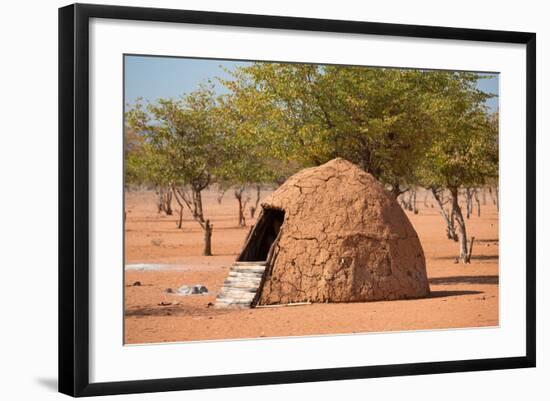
{"x":263,"y":235}
{"x":244,"y":283}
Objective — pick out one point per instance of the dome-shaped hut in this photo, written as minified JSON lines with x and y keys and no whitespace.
{"x":331,"y":233}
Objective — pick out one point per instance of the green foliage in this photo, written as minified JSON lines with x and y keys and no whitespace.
{"x":248,"y":156}
{"x":383,"y":119}
{"x":406,"y":127}
{"x":180,"y":143}
{"x":464,"y":147}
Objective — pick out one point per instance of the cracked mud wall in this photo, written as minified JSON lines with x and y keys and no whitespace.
{"x":344,"y":239}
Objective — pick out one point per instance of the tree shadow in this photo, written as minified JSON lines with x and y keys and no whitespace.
{"x":141,"y":285}
{"x":464,"y":280}
{"x":176,"y":310}
{"x":486,"y":240}
{"x":474,"y":257}
{"x":484,"y":257}
{"x":154,"y":311}
{"x":233,"y":227}
{"x":443,"y":294}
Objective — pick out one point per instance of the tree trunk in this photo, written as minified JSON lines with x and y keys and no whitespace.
{"x":469,"y":194}
{"x":414,"y":209}
{"x":194,"y":204}
{"x":207,"y":238}
{"x":239,"y":197}
{"x":168,"y":203}
{"x":180,"y":220}
{"x":242,"y":221}
{"x":160,"y":200}
{"x":395,"y":191}
{"x":448,"y":217}
{"x":254,"y":208}
{"x":476,"y":197}
{"x":401,"y":200}
{"x":459,"y":218}
{"x":496,"y":196}
{"x":219,"y":198}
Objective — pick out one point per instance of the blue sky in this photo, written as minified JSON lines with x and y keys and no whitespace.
{"x":152,"y":78}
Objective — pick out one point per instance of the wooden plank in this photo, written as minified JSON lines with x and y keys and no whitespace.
{"x":250,"y":263}
{"x":283,"y":305}
{"x":259,"y":269}
{"x":245,"y":286}
{"x":232,"y":305}
{"x":236,"y":297}
{"x":240,"y":288}
{"x":244,"y":277}
{"x":237,"y":287}
{"x":271,"y":256}
{"x":237,"y":293}
{"x":248,"y":267}
{"x":229,"y":300}
{"x":248,"y":283}
{"x":250,"y":280}
{"x":233,"y":290}
{"x":245,"y":274}
{"x":232,"y":301}
{"x":251,"y":270}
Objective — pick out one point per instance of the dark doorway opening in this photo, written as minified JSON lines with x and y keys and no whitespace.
{"x":263,"y":236}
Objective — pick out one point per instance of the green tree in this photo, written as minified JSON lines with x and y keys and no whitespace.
{"x":184,"y":148}
{"x":143,"y":164}
{"x":464,"y":149}
{"x":247,"y":160}
{"x":378,"y":118}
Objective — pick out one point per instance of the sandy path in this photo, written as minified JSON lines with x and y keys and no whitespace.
{"x":462,"y":296}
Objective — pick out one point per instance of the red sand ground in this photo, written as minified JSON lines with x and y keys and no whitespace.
{"x":462,"y":295}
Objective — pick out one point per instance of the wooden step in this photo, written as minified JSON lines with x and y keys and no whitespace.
{"x":245,"y":276}
{"x":258,"y":263}
{"x":248,"y":285}
{"x":238,"y":292}
{"x":251,"y":269}
{"x":231,"y":304}
{"x":241,"y":285}
{"x":232,"y":299}
{"x":239,"y":288}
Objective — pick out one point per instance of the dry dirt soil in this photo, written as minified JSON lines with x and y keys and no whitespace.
{"x":461,"y":295}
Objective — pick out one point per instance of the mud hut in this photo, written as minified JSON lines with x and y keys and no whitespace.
{"x":331,"y":233}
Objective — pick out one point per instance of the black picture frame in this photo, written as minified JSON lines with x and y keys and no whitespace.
{"x":74,"y":199}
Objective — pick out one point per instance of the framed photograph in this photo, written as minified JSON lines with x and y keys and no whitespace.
{"x":250,"y":199}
